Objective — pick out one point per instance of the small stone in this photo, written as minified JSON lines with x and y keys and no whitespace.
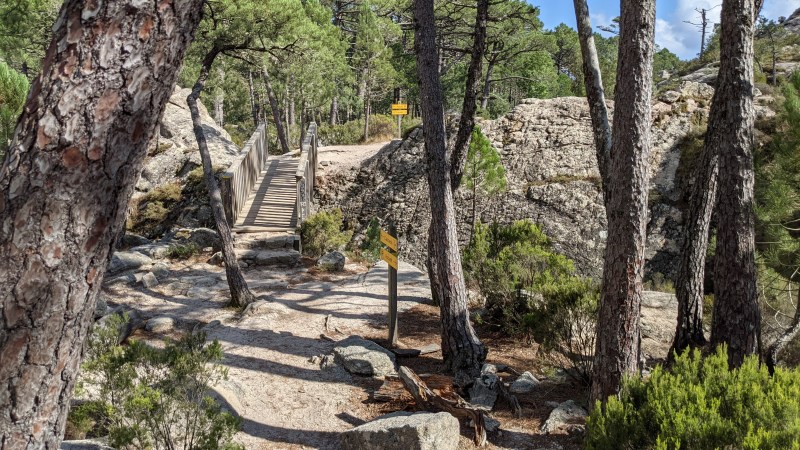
{"x":333,"y":262}
{"x":160,"y":324}
{"x":208,"y":249}
{"x":149,"y":280}
{"x":244,"y":265}
{"x":525,"y":384}
{"x":217,"y":259}
{"x":403,"y":430}
{"x":160,"y":270}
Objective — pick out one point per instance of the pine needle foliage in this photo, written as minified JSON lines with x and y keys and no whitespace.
{"x":700,"y":404}
{"x":13,"y":90}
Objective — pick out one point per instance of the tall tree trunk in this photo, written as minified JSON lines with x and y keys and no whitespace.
{"x":487,"y":84}
{"x":255,"y":102}
{"x":292,"y":118}
{"x":366,"y":115}
{"x":736,"y":313}
{"x":690,"y":287}
{"x":595,"y":93}
{"x":334,"y":114}
{"x":463,"y":352}
{"x":240,"y":293}
{"x":276,"y":112}
{"x":77,"y":152}
{"x":219,"y":100}
{"x":467,"y":122}
{"x":618,"y":339}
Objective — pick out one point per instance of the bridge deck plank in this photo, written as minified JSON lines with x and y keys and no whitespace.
{"x":272,"y":204}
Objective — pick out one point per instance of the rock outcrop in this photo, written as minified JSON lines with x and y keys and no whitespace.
{"x":547,"y":149}
{"x":171,"y":192}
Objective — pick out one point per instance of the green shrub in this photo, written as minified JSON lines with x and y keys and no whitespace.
{"x":532,"y":291}
{"x":322,"y":233}
{"x":168,"y":193}
{"x":183,"y":251}
{"x":158,"y":398}
{"x":371,"y":246}
{"x":700,"y":404}
{"x":13,"y":90}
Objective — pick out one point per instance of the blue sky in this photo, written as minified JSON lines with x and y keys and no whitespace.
{"x":671,"y":31}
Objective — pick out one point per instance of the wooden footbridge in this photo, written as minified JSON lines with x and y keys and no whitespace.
{"x":263,"y":193}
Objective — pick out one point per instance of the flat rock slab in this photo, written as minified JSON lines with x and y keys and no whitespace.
{"x":125,"y":261}
{"x":405,"y":431}
{"x":566,"y":417}
{"x":86,"y":444}
{"x":287,"y":258}
{"x":154,"y":250}
{"x":362,"y":357}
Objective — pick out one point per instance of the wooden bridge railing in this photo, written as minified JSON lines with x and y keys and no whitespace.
{"x":237,"y":182}
{"x":306,"y":174}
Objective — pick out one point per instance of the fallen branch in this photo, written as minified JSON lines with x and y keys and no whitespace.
{"x":426,"y":399}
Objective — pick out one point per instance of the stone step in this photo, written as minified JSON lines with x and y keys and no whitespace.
{"x":263,"y":241}
{"x":275,"y":257}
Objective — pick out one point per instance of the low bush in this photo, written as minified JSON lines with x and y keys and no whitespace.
{"x":381,"y":128}
{"x":532,"y":291}
{"x":371,"y":245}
{"x":156,"y":398}
{"x":183,"y":251}
{"x":700,"y":404}
{"x":323,"y":232}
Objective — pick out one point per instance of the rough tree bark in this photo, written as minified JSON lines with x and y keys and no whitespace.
{"x":618,"y":339}
{"x":487,"y":84}
{"x":333,"y":118}
{"x":788,"y":336}
{"x":219,"y":101}
{"x":276,"y":112}
{"x":463,"y":352}
{"x":240,"y":293}
{"x":458,"y":157}
{"x":736,"y":313}
{"x":595,"y":94}
{"x":77,"y":152}
{"x":255,"y":102}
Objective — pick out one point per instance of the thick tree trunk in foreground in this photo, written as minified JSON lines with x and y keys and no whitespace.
{"x":463,"y":352}
{"x":736,"y":312}
{"x":618,"y":335}
{"x":467,"y":122}
{"x":76,"y":155}
{"x":276,"y":113}
{"x":595,"y":93}
{"x":240,"y":294}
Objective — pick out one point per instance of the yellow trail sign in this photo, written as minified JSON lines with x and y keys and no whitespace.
{"x":389,"y":240}
{"x":399,"y":109}
{"x":389,"y":257}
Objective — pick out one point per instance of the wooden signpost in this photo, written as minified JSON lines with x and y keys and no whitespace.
{"x":390,"y":256}
{"x":399,"y":109}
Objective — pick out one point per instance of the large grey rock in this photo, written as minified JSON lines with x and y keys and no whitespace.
{"x":524,"y":384}
{"x":125,"y":261}
{"x":547,"y":149}
{"x":405,"y":431}
{"x":566,"y":417}
{"x":333,"y":261}
{"x":85,"y":444}
{"x":134,"y":240}
{"x":362,"y":357}
{"x":101,"y":307}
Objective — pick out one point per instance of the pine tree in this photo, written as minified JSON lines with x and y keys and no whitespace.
{"x":13,"y":89}
{"x":483,"y":173}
